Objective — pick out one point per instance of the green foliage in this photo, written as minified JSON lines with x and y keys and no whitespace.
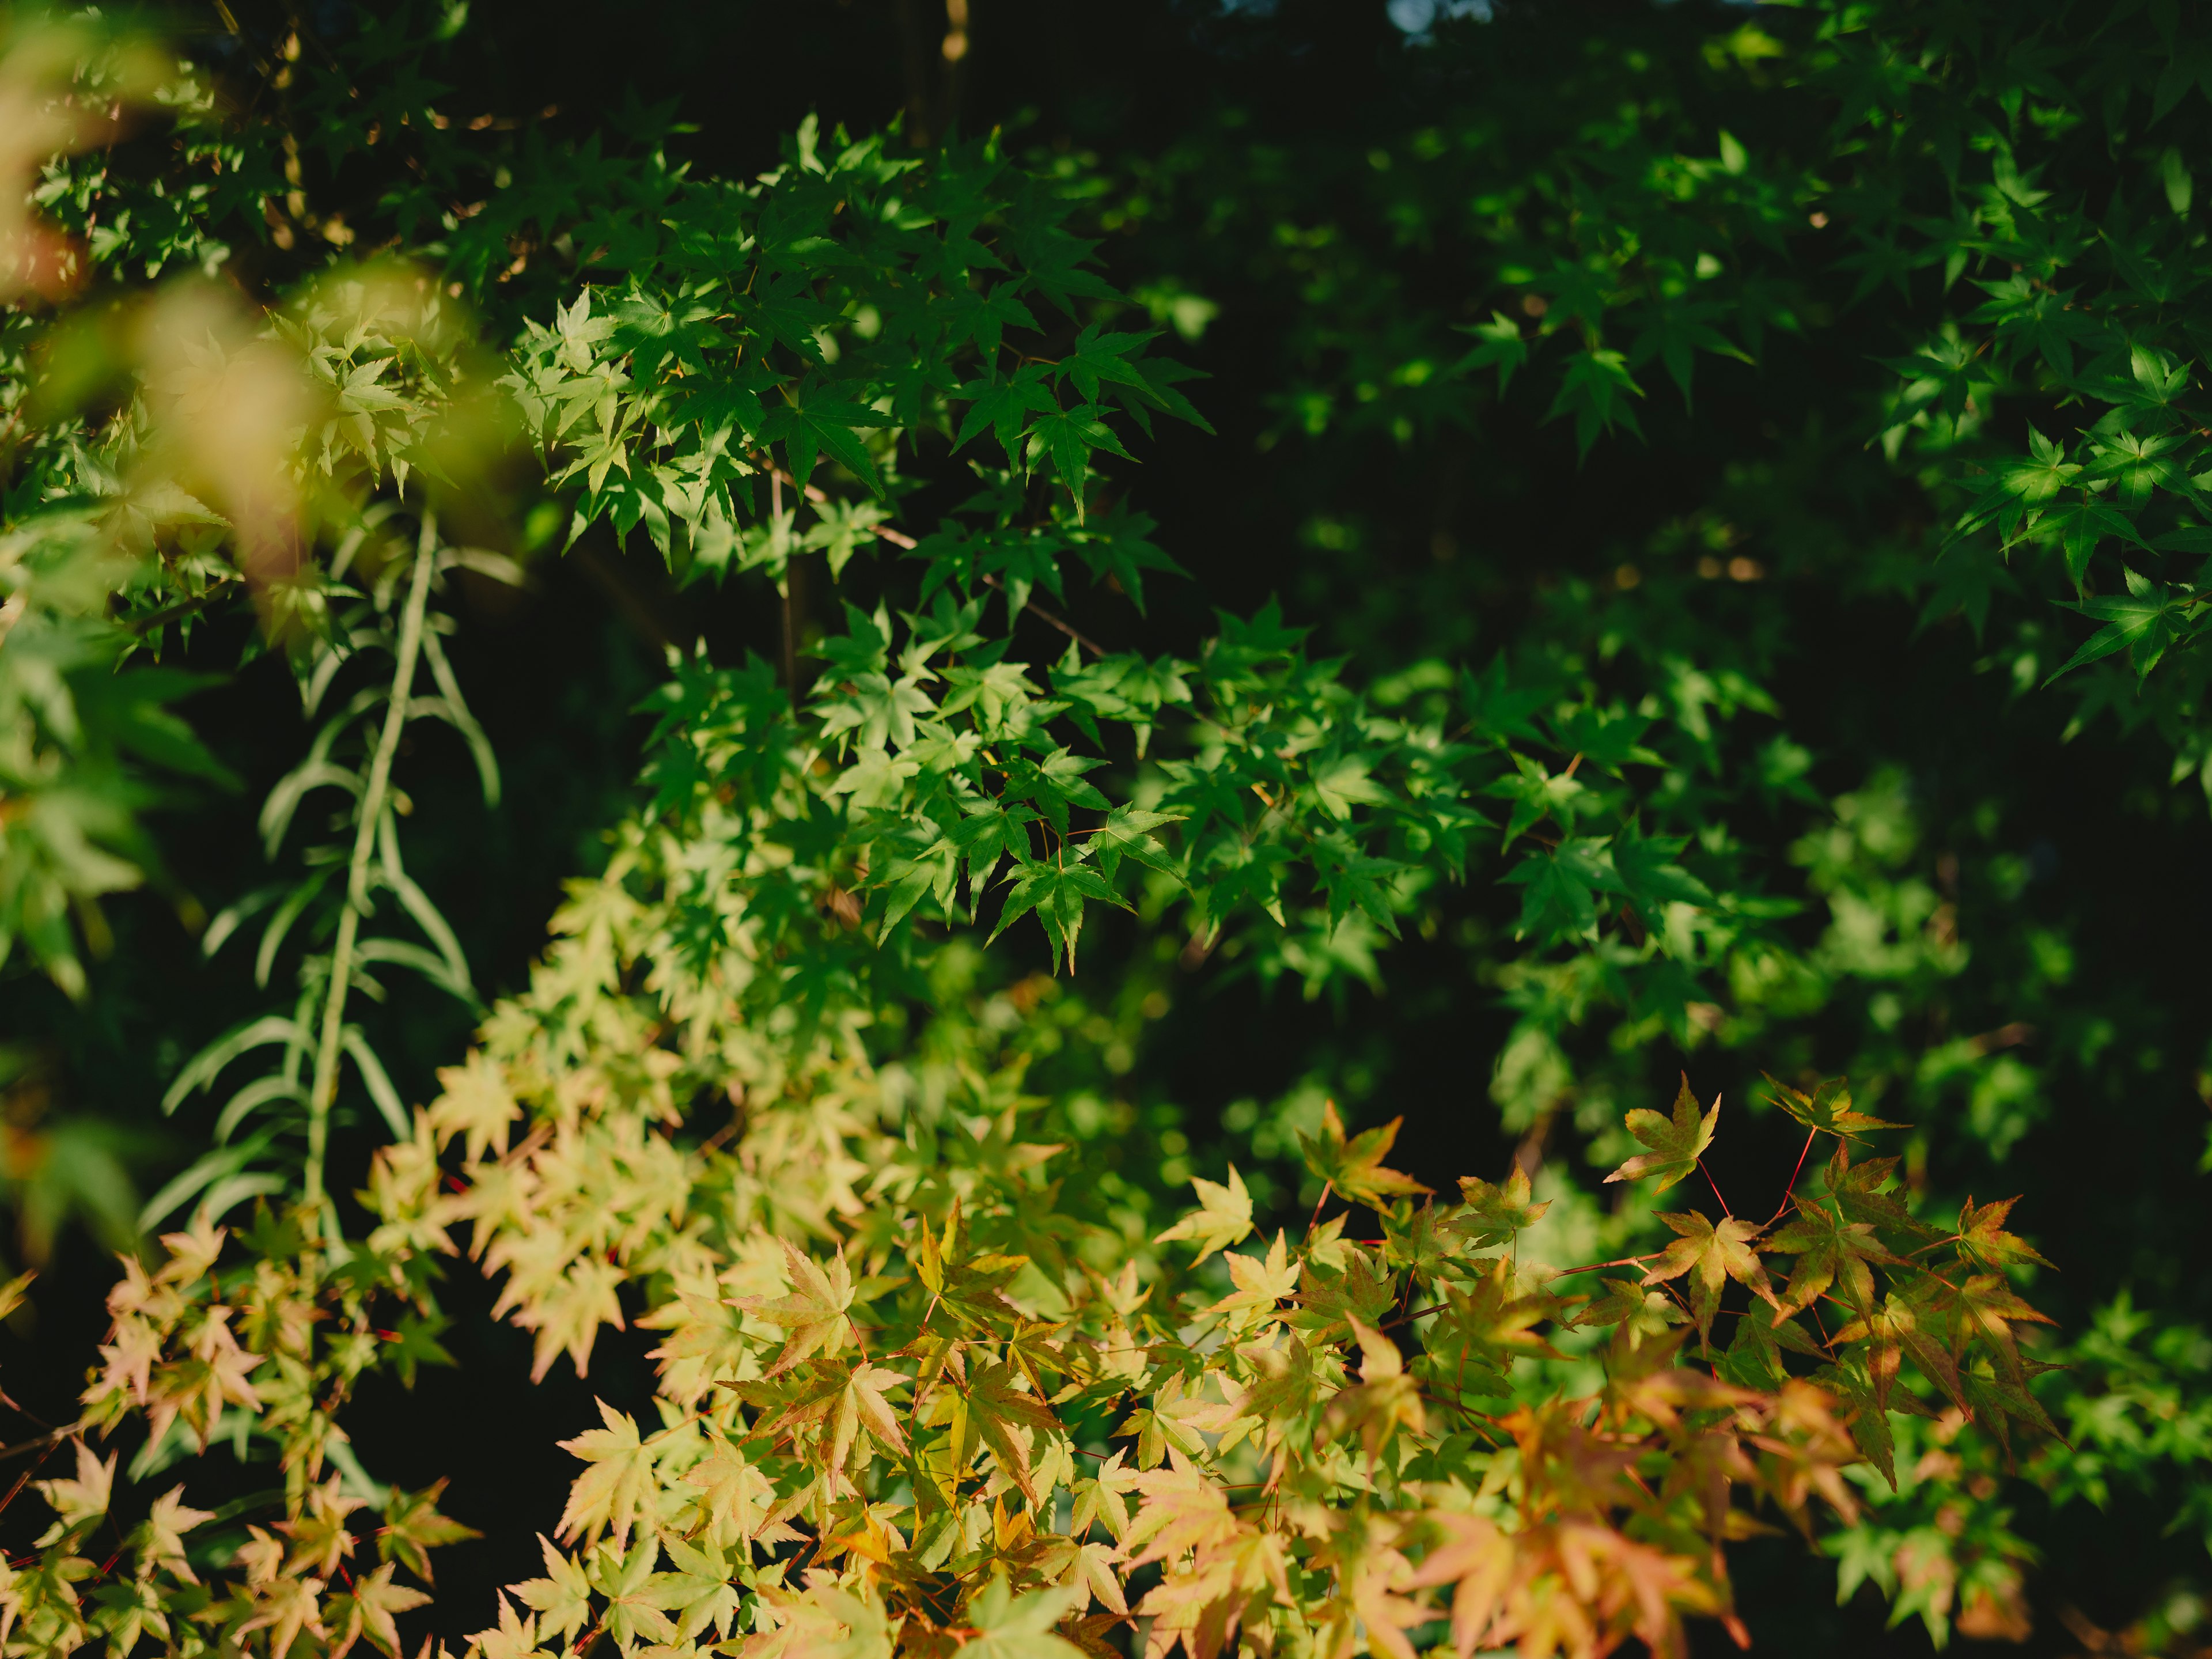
{"x":923,"y":1270}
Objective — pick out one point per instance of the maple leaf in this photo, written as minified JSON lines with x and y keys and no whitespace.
{"x":1385,"y":1400}
{"x":1090,"y":1575}
{"x":815,"y":1313}
{"x":1753,"y":1358}
{"x":1476,"y":1558}
{"x":1982,"y":1236}
{"x":1010,"y":1626}
{"x":1827,"y":1248}
{"x":860,"y":1404}
{"x":735,"y":1496}
{"x":1492,"y":1215}
{"x":1101,"y":1499}
{"x":1641,"y":1311}
{"x":368,"y":1608}
{"x":1711,"y":1256}
{"x":1677,"y":1144}
{"x":476,"y":1104}
{"x":515,"y":1635}
{"x":1916,"y":1323}
{"x":970,"y":1287}
{"x":701,"y":1591}
{"x":823,"y":1623}
{"x":159,"y":1538}
{"x":1987,"y":1307}
{"x":82,"y":1499}
{"x":1858,"y":1190}
{"x":413,"y":1527}
{"x":1484,"y":1329}
{"x":608,"y":1495}
{"x":626,"y":1579}
{"x":1806,"y":1448}
{"x":320,"y":1537}
{"x":1331,"y":1303}
{"x":1424,"y":1244}
{"x":1224,"y":1218}
{"x":997,"y":1405}
{"x":1827,"y":1110}
{"x":1261,"y":1284}
{"x":1354,"y":1166}
{"x":285,"y":1607}
{"x":563,"y":1595}
{"x":1184,"y":1509}
{"x":1852,"y":1380}
{"x":1372,"y":1579}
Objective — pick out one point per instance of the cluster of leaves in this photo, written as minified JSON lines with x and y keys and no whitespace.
{"x":1996,"y":209}
{"x":261,"y":1352}
{"x":798,"y":365}
{"x":1402,"y":1412}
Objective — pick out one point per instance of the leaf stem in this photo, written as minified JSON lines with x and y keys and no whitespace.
{"x":1326,"y":1188}
{"x":1623,"y":1262}
{"x":1810,"y":1136}
{"x":364,"y":845}
{"x":1715,"y":1185}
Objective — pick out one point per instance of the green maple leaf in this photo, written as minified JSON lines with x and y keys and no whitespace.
{"x":1003,"y":407}
{"x":1224,"y":1217}
{"x":1828,"y":1248}
{"x":969,"y":1286}
{"x":633,"y":1607}
{"x":1849,"y":1378}
{"x":700,"y":1592}
{"x":1753,"y":1358}
{"x":1334,"y":1303}
{"x":1493,"y":1214}
{"x":824,"y":425}
{"x":412,"y":1528}
{"x":1283,"y":1389}
{"x":1827,"y":1110}
{"x":1474,"y":1342}
{"x":1858,"y":1190}
{"x":1982,"y":1236}
{"x":1709,"y":1256}
{"x":998,"y":1403}
{"x":1676,"y":1143}
{"x":1008,"y":1627}
{"x":1057,"y":890}
{"x":815,"y":1313}
{"x":1645,"y":1312}
{"x":1354,"y":1166}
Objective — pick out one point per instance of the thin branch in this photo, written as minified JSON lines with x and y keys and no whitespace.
{"x":168,"y":613}
{"x":778,"y":477}
{"x":1810,"y":1136}
{"x":49,"y":1439}
{"x":364,"y":844}
{"x":1623,"y":1262}
{"x":1049,"y":620}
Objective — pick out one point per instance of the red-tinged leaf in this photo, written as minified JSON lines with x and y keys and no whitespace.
{"x":1354,"y":1166}
{"x":1983,"y":1237}
{"x":1709,"y":1256}
{"x":1827,"y":1110}
{"x":815,"y":1313}
{"x":1676,"y":1143}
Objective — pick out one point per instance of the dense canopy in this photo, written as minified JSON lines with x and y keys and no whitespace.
{"x":1275,"y":826}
